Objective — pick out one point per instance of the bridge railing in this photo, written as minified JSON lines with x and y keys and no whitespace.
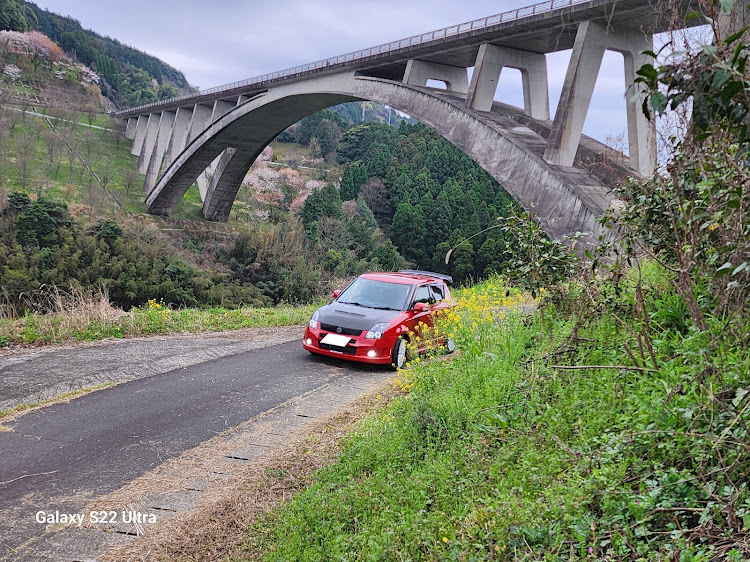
{"x":384,"y":49}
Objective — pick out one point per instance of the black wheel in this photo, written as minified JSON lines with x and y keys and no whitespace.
{"x":400,"y":355}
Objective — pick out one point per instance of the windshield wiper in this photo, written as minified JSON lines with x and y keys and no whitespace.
{"x":354,"y":303}
{"x":383,"y":308}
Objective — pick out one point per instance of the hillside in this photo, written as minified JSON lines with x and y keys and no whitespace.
{"x":127,"y":75}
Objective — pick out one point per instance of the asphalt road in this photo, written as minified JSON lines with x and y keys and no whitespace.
{"x":62,"y":456}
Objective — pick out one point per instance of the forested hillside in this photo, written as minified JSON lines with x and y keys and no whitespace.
{"x":428,"y":194}
{"x":126,"y":73}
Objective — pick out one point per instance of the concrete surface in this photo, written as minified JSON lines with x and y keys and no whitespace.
{"x":32,"y":376}
{"x":65,"y":456}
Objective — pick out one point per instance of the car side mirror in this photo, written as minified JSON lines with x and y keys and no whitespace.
{"x":336,"y":294}
{"x":420,"y":307}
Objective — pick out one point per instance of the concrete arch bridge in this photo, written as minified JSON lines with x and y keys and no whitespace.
{"x":546,"y":165}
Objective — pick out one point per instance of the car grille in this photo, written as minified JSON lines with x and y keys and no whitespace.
{"x":340,"y":330}
{"x":348,"y":350}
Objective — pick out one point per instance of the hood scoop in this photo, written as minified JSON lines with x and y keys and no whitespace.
{"x":340,"y":311}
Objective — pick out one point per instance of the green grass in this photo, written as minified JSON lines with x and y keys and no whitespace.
{"x":498,"y":454}
{"x":150,"y":319}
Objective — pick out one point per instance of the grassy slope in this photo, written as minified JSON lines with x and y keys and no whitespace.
{"x":90,"y":319}
{"x":498,"y":455}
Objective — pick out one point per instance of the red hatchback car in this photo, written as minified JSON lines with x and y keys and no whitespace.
{"x":371,"y":320}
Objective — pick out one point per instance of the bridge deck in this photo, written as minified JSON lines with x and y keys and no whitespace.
{"x":542,"y":28}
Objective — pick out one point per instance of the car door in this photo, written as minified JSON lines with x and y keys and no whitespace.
{"x":424,"y":295}
{"x":441,"y":298}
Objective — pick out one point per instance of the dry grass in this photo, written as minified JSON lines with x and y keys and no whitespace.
{"x":60,"y":315}
{"x":12,"y":413}
{"x":218,"y":526}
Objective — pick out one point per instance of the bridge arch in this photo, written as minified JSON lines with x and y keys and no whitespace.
{"x":565,"y":200}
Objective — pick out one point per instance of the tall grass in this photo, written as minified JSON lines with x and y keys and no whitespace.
{"x":79,"y":315}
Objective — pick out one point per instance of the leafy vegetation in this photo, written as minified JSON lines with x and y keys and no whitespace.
{"x":542,"y":440}
{"x":40,"y":244}
{"x":126,"y":73}
{"x":428,"y":195}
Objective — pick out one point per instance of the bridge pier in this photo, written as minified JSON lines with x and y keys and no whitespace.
{"x":139,"y":135}
{"x":166,"y":123}
{"x":130,"y":128}
{"x":490,"y":62}
{"x":149,"y":142}
{"x":199,"y":121}
{"x":221,"y":107}
{"x":178,"y":136}
{"x":418,"y":72}
{"x":591,"y":41}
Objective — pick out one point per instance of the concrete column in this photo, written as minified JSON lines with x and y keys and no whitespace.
{"x":204,"y":179}
{"x":130,"y":128}
{"x":200,"y":121}
{"x":160,"y":146}
{"x":641,"y":131}
{"x":591,"y":42}
{"x":419,"y":72}
{"x":491,"y":59}
{"x":140,"y":134}
{"x":583,"y":69}
{"x":230,"y":171}
{"x":178,"y":136}
{"x":152,"y":132}
{"x":221,"y":108}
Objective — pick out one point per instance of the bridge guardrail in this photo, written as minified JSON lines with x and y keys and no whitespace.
{"x":385,"y":48}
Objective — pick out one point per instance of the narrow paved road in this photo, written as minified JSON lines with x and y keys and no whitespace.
{"x":60,"y":457}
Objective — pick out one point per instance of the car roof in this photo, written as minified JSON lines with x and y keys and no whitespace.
{"x":401,"y":278}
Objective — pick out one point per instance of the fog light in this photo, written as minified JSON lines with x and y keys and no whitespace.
{"x":308,"y":341}
{"x":372,"y":353}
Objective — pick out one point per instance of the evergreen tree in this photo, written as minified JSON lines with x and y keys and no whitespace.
{"x":387,"y":256}
{"x":12,"y":16}
{"x":408,"y":232}
{"x":354,"y":177}
{"x":323,"y":202}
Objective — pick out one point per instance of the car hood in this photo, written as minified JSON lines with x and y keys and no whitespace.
{"x":354,"y":317}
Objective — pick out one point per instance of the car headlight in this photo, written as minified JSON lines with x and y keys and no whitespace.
{"x":313,"y":323}
{"x":377,"y":331}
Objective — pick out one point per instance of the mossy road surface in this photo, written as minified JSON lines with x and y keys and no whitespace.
{"x":61,"y":457}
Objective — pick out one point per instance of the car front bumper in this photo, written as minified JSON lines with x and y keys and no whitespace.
{"x":376,"y":352}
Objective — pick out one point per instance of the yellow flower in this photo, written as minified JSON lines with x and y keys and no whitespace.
{"x":445,"y":539}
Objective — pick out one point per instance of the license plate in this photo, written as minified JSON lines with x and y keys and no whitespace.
{"x":335,"y":340}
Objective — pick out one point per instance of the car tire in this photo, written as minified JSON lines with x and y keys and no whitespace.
{"x":400,"y":355}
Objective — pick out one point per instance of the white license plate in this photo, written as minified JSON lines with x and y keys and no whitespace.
{"x":335,"y":340}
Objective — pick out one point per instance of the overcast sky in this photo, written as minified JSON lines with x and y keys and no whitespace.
{"x":222,"y":41}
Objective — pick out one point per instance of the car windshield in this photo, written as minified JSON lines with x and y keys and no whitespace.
{"x":375,"y":294}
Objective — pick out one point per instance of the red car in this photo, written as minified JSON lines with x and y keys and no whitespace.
{"x":372,"y":320}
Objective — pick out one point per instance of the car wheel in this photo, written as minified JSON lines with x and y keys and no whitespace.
{"x":400,"y":355}
{"x":450,"y":345}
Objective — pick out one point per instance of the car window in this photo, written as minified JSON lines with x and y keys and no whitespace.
{"x":437,"y":293}
{"x":424,"y":295}
{"x":375,"y":294}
